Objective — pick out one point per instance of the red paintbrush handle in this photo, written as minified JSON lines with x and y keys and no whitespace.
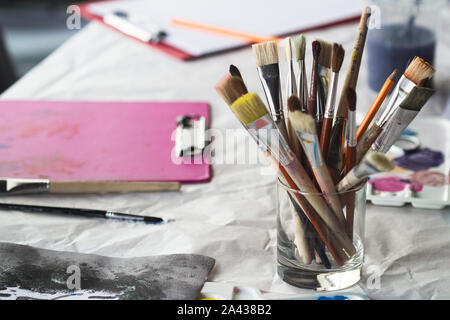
{"x":325,"y":136}
{"x":350,"y":158}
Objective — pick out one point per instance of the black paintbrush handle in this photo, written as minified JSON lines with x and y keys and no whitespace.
{"x":88,"y":213}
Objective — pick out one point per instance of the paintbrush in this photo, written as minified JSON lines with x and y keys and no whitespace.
{"x":334,"y":156}
{"x":337,"y":57}
{"x":385,"y":89}
{"x":293,"y":105}
{"x":350,"y":158}
{"x":266,"y":55}
{"x":353,"y":69}
{"x":234,"y":71}
{"x":312,"y":101}
{"x":87,"y":213}
{"x":299,"y":44}
{"x":225,"y":89}
{"x":305,"y":128}
{"x":291,"y":86}
{"x":230,"y":88}
{"x":311,"y":233}
{"x":401,"y":118}
{"x":324,"y":61}
{"x":373,"y":162}
{"x":10,"y":186}
{"x":250,"y":110}
{"x":417,"y":71}
{"x":350,"y":151}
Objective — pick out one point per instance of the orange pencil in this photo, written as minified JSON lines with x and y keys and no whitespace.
{"x":387,"y":86}
{"x":250,"y":37}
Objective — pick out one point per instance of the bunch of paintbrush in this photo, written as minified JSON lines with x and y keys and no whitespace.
{"x":315,"y":146}
{"x":415,"y":74}
{"x":252,"y":113}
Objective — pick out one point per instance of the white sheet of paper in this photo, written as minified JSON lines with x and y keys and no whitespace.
{"x":269,"y":18}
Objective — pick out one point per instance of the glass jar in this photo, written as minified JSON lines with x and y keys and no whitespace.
{"x":312,"y":255}
{"x":399,"y":31}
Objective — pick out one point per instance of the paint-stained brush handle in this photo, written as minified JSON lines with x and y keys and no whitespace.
{"x":366,"y":141}
{"x":353,"y":70}
{"x":111,"y":186}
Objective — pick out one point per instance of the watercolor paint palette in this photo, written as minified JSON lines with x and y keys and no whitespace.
{"x":421,"y":175}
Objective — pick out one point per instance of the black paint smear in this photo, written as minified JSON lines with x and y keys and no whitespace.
{"x":178,"y":276}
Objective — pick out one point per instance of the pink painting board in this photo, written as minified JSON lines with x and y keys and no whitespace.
{"x":112,"y":141}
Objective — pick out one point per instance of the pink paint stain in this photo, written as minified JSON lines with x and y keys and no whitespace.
{"x":394,"y":184}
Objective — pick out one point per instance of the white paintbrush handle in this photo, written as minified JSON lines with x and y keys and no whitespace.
{"x":301,"y":238}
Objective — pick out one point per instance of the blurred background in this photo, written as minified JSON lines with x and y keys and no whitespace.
{"x":30,"y":31}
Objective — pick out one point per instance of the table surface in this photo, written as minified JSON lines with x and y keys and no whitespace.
{"x":232,"y":218}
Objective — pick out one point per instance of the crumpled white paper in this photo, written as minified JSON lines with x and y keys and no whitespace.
{"x":232,"y":218}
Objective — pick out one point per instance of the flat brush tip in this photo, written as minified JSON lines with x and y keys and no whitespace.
{"x":299,"y":44}
{"x":418,"y":70}
{"x":316,"y":49}
{"x":326,"y":49}
{"x":337,"y":57}
{"x":302,"y":122}
{"x":249,"y":108}
{"x":235,"y":71}
{"x":379,"y":161}
{"x":265,"y":53}
{"x":294,"y":104}
{"x":351,"y":99}
{"x":238,"y":86}
{"x":224,"y":90}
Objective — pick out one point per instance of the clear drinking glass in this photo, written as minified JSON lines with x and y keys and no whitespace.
{"x":308,"y":248}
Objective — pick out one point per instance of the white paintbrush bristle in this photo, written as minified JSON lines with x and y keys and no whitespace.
{"x":265,"y":53}
{"x":302,"y":122}
{"x":288,"y":49}
{"x":299,"y":44}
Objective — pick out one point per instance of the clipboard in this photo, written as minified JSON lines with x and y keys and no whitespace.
{"x":103,"y":141}
{"x":295,"y":16}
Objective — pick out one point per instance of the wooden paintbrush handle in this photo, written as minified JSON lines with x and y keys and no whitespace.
{"x":326,"y":185}
{"x":328,"y":236}
{"x":111,"y":186}
{"x":351,"y":77}
{"x":325,"y":136}
{"x":350,"y":158}
{"x":325,"y":233}
{"x":301,"y":179}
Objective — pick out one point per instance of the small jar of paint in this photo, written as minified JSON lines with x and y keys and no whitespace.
{"x":311,"y":253}
{"x":399,"y":31}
